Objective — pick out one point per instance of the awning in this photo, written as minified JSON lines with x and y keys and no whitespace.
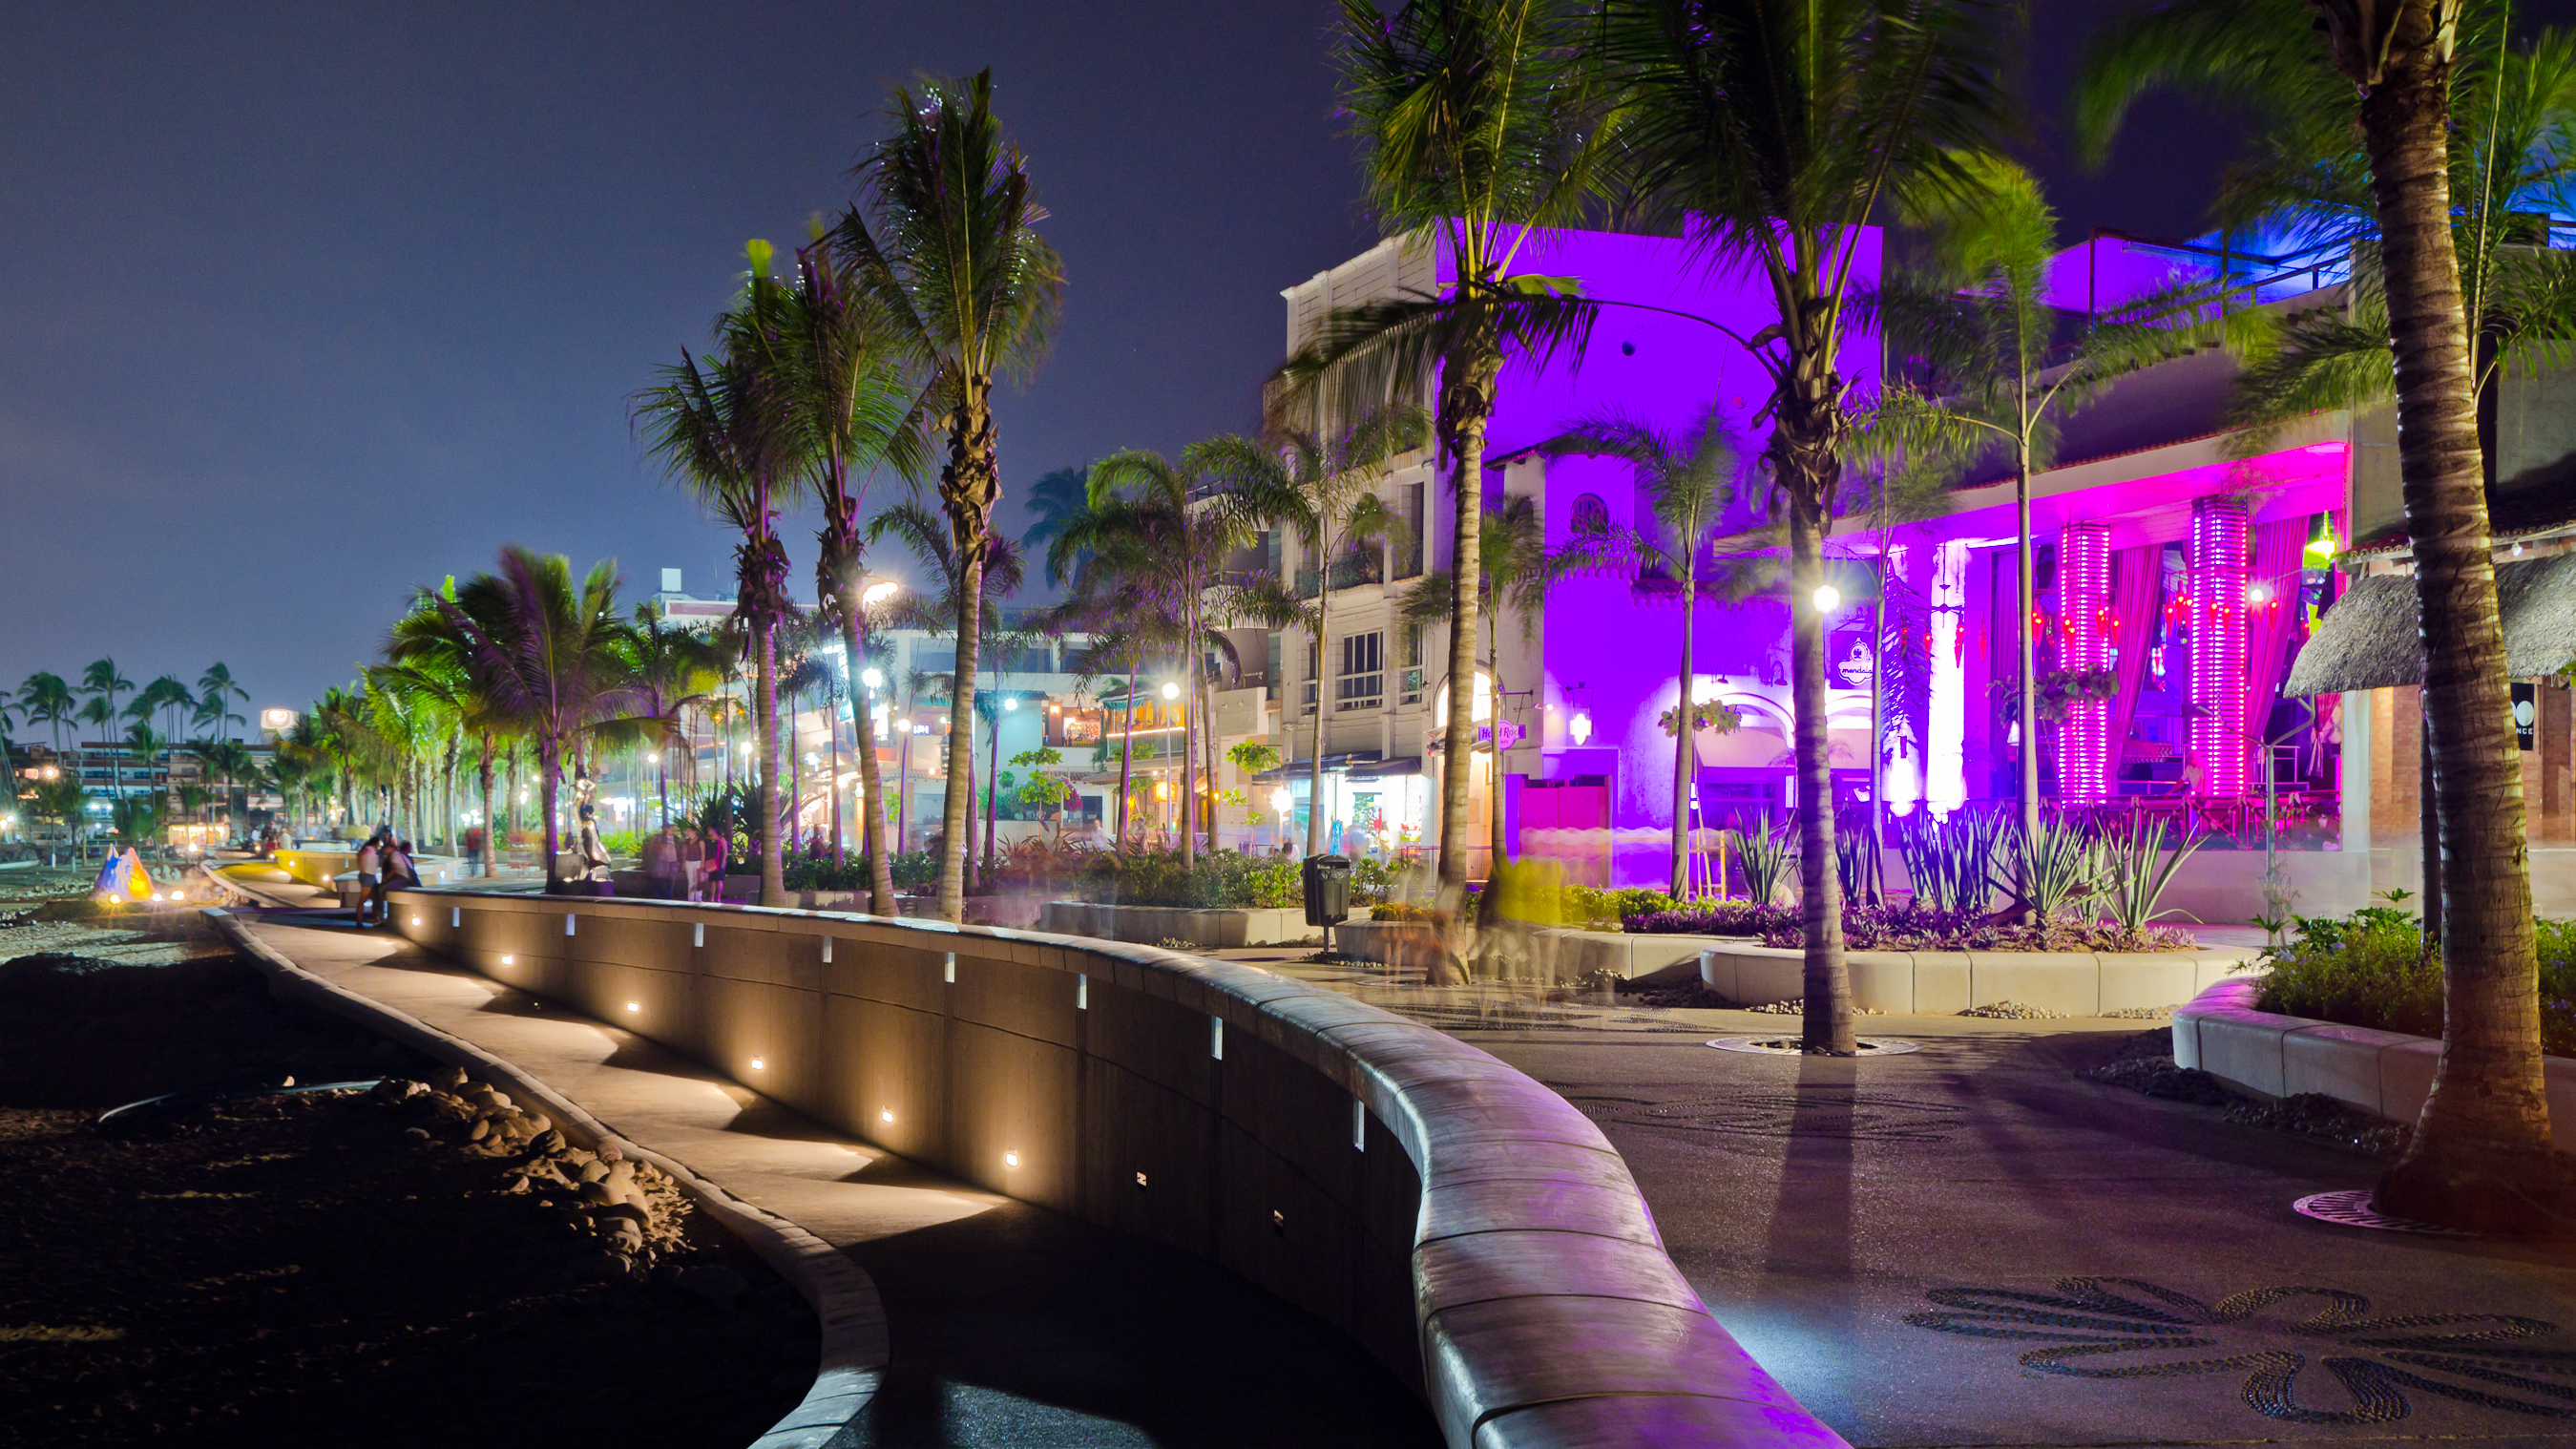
{"x":1355,"y":762}
{"x":2369,"y":639}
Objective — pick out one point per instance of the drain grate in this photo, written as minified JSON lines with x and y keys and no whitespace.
{"x":2352,"y":1210}
{"x":1790,"y":1046}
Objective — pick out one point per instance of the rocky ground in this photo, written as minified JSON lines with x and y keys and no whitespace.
{"x":421,"y":1263}
{"x":2144,"y":1063}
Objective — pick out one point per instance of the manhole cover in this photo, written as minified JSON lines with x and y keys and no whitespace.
{"x":1828,"y":1114}
{"x":1790,"y":1046}
{"x":2352,"y":1210}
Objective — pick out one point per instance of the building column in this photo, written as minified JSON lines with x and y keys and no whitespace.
{"x":2353,"y":773}
{"x":2557,"y":810}
{"x":2217,"y":612}
{"x":2084,"y":770}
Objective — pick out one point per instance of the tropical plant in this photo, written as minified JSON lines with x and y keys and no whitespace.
{"x":945,"y":242}
{"x":1477,"y":127}
{"x":216,"y":692}
{"x":1764,"y":852}
{"x":102,"y":683}
{"x":2137,"y":865}
{"x":1687,"y":479}
{"x":1152,"y":524}
{"x":1989,"y":373}
{"x":2480,"y":1157}
{"x":997,"y":571}
{"x":1055,"y":500}
{"x":63,"y":801}
{"x":2055,"y":867}
{"x":831,"y":339}
{"x":135,"y":819}
{"x":725,"y":428}
{"x":47,"y":699}
{"x":676,"y":670}
{"x":542,"y":649}
{"x":1325,"y":494}
{"x":1952,"y":858}
{"x":1774,"y":135}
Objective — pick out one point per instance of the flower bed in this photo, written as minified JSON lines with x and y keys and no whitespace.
{"x":2368,"y":969}
{"x":1910,"y":927}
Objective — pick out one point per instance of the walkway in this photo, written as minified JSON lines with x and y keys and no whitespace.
{"x":1894,"y":1240}
{"x":1009,"y":1324}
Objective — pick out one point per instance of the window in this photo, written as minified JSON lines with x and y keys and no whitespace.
{"x":1591,"y":515}
{"x":1412,"y":532}
{"x":1409,"y":657}
{"x":1361,"y":683}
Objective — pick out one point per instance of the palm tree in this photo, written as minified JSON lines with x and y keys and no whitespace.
{"x":101,"y":682}
{"x":1150,"y":519}
{"x":1687,"y":479}
{"x":1327,"y":495}
{"x":1473,"y":117}
{"x":1975,"y":325}
{"x":2480,"y":1156}
{"x":1057,"y":498}
{"x":946,"y":244}
{"x":47,"y":699}
{"x":216,"y":691}
{"x":832,"y":341}
{"x":1774,"y":134}
{"x":543,"y":650}
{"x":432,"y":661}
{"x":676,"y":670}
{"x":727,"y":431}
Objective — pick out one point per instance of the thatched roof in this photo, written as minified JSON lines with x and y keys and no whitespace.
{"x":2369,"y":639}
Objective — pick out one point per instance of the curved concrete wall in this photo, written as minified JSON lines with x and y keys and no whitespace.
{"x":1945,"y":983}
{"x":1466,"y":1225}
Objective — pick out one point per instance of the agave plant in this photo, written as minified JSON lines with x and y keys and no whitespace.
{"x":1765,"y":852}
{"x":2136,"y":868}
{"x":1951,"y":858}
{"x":2058,"y":865}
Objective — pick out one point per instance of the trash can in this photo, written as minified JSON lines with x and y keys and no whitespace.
{"x":1327,"y":879}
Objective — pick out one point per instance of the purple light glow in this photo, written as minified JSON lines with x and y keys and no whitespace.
{"x":2084,"y":600}
{"x":2217,"y":617}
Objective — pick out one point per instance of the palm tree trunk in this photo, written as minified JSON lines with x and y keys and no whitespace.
{"x":491,"y":822}
{"x":1189,"y":801}
{"x":1466,"y":408}
{"x":1127,"y":746}
{"x":1685,"y":742}
{"x":1315,"y":767}
{"x":2026,"y":652}
{"x":992,"y":786}
{"x":961,"y":729}
{"x":773,"y":862}
{"x":549,"y":761}
{"x":2481,"y":1155}
{"x":1828,"y":1026}
{"x":872,"y":821}
{"x":1498,"y":841}
{"x":1207,"y":751}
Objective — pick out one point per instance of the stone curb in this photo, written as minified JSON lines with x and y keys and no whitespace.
{"x":2267,"y":1055}
{"x":1945,"y":983}
{"x":843,"y":1297}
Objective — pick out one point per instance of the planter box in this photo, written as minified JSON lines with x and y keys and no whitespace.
{"x":1153,"y":925}
{"x":2385,"y":1072}
{"x":1397,"y":943}
{"x":1945,"y":983}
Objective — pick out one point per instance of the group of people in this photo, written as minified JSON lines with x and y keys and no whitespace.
{"x":384,"y":862}
{"x":685,"y":863}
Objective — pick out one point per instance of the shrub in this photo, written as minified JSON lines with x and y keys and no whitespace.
{"x":1910,"y":927}
{"x":1220,"y":879}
{"x":1596,"y":909}
{"x":1399,"y":911}
{"x":2368,"y":969}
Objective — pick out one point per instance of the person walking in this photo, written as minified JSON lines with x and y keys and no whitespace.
{"x":371,"y":881}
{"x":662,"y":865}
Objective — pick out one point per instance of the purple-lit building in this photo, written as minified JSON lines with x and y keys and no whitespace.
{"x":2176,"y":580}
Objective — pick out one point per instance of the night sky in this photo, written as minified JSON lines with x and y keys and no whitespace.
{"x":305,"y":306}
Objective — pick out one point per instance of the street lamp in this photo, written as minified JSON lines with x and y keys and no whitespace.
{"x":1171,"y":690}
{"x":1581,"y":728}
{"x":877,"y":593}
{"x":1828,"y":598}
{"x":871,"y":678}
{"x":1010,"y":703}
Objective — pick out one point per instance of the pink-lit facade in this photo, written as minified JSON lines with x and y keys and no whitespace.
{"x":2146,"y":535}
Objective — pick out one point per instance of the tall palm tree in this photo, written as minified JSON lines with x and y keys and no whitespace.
{"x":726,"y":430}
{"x":1057,"y":498}
{"x":1992,"y":375}
{"x":1159,"y":522}
{"x":544,"y":650}
{"x":216,"y":693}
{"x":676,"y":671}
{"x":1774,"y":133}
{"x":831,"y":339}
{"x":432,"y":660}
{"x":2480,"y":1156}
{"x":1475,"y":122}
{"x":945,"y":241}
{"x":102,"y":683}
{"x":1687,"y":479}
{"x":47,"y":699}
{"x":1325,"y":494}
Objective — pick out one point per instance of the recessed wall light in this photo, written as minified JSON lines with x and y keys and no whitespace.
{"x":1010,"y":1159}
{"x":635,"y":1006}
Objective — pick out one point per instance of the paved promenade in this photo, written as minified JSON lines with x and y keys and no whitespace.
{"x":1008,"y":1324}
{"x":1969,"y":1245}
